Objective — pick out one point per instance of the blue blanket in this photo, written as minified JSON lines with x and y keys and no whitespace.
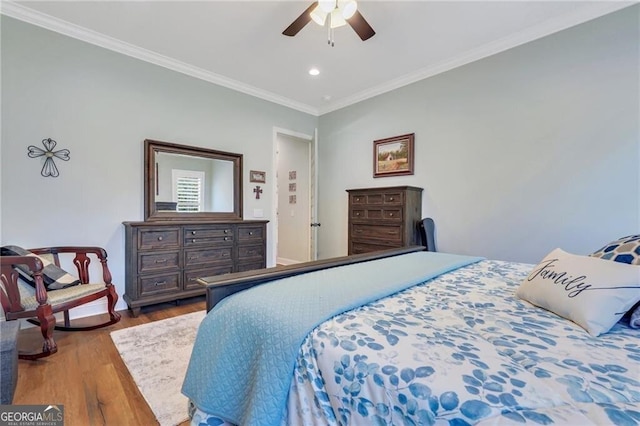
{"x":242,"y":361}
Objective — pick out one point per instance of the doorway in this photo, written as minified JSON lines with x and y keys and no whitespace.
{"x":294,"y":237}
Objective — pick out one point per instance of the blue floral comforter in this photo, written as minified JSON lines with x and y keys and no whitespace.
{"x":462,"y":349}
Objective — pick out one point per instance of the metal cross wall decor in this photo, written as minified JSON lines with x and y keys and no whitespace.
{"x":257,"y":191}
{"x":49,"y":167}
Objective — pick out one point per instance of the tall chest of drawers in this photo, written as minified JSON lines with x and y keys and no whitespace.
{"x":383,"y":218}
{"x":164,"y":259}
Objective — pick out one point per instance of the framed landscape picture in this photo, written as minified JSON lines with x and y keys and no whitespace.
{"x":393,"y":156}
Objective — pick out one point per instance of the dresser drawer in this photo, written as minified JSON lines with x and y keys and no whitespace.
{"x":201,"y":240}
{"x":393,"y":198}
{"x":250,"y":233}
{"x":208,"y":235}
{"x":361,"y":231}
{"x":382,"y":213}
{"x":166,"y":283}
{"x":165,"y":238}
{"x":364,"y":247}
{"x":191,"y":277}
{"x":200,"y":256}
{"x":250,"y":266}
{"x":156,"y":261}
{"x":358,"y":199}
{"x":385,"y":214}
{"x":377,"y":198}
{"x":247,"y":252}
{"x":358,"y":213}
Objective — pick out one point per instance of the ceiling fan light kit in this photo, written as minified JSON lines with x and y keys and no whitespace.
{"x":333,"y":14}
{"x":337,"y":12}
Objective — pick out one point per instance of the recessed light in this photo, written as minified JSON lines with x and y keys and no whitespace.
{"x":314,"y":71}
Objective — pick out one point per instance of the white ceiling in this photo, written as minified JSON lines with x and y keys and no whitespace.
{"x":239,"y":44}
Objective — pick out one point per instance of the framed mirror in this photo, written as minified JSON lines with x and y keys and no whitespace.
{"x":191,"y":183}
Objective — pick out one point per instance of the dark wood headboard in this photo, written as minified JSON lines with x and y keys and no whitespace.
{"x":221,"y":286}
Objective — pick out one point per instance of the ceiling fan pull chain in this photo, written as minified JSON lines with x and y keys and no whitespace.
{"x":329,"y":31}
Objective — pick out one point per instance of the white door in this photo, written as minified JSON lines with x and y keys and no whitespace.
{"x":294,"y":238}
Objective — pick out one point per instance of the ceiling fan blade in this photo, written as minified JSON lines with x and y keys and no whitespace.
{"x":361,"y":26}
{"x":300,"y":21}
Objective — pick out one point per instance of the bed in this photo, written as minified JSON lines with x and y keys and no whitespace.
{"x":453,"y":345}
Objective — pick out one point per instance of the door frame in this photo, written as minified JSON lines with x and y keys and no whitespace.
{"x":274,"y":185}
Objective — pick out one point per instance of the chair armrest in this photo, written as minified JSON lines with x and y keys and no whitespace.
{"x":98,"y":251}
{"x":81,"y":260}
{"x":10,"y":297}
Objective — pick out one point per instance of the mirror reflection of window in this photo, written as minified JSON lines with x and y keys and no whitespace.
{"x":188,"y":190}
{"x":216,"y":182}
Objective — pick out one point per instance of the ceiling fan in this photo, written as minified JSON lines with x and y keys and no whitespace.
{"x":333,"y":14}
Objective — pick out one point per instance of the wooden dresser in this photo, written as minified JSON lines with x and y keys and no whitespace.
{"x":383,"y":218}
{"x":164,"y":259}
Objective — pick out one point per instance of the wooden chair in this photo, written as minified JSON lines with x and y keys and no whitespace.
{"x":426,"y":228}
{"x":38,"y":305}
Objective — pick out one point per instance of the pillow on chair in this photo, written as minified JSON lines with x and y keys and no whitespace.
{"x":53,"y":277}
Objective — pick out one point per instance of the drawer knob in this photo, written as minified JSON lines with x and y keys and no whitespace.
{"x":193,"y":240}
{"x":159,"y":238}
{"x":250,"y":232}
{"x":358,"y":214}
{"x":226,"y":231}
{"x":157,"y":283}
{"x":390,"y":214}
{"x":226,"y":238}
{"x":391,"y":199}
{"x":193,"y":232}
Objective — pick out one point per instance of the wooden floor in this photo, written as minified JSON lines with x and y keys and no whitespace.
{"x":87,"y":375}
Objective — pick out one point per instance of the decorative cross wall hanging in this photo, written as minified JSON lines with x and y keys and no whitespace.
{"x":257,"y":191}
{"x":49,"y":167}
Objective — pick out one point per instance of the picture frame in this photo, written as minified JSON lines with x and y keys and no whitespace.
{"x":393,"y":156}
{"x":257,"y":176}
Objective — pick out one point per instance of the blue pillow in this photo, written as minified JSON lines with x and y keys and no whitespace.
{"x":624,"y":250}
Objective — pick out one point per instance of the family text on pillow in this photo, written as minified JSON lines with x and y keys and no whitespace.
{"x":594,"y":293}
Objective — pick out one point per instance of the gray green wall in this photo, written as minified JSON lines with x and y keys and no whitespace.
{"x":534,"y":148}
{"x":101,"y":106}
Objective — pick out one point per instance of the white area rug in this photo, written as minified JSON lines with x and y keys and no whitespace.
{"x":157,"y":355}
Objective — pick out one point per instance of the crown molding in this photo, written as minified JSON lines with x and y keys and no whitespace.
{"x":25,"y":14}
{"x":548,"y":27}
{"x":597,"y":9}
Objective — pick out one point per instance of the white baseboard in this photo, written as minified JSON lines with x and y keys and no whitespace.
{"x":96,"y":307}
{"x":285,"y":261}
